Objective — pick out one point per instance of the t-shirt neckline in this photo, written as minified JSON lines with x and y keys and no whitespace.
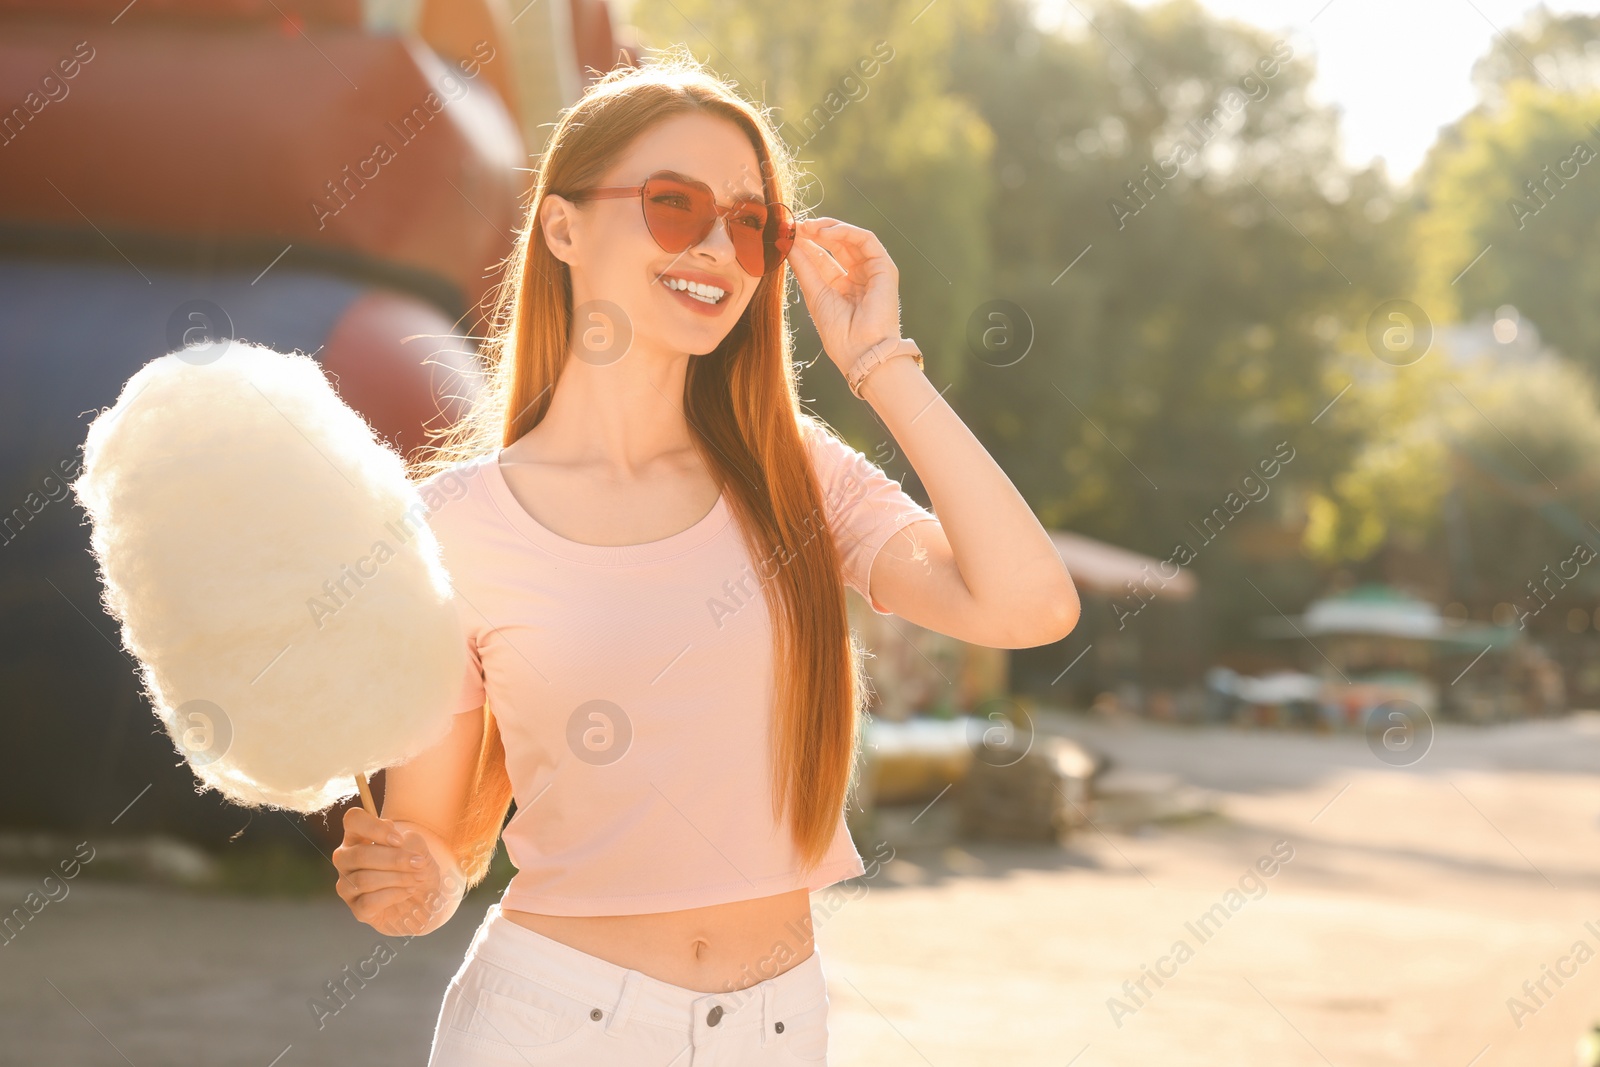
{"x":698,"y":534}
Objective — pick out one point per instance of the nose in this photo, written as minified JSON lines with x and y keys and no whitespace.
{"x":717,"y":244}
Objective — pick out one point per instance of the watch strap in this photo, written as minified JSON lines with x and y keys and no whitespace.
{"x":879,"y":354}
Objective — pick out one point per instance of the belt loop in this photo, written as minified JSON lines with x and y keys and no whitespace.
{"x":624,"y":1005}
{"x":766,"y":1012}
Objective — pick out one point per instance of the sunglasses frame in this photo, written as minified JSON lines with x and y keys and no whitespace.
{"x":719,"y":212}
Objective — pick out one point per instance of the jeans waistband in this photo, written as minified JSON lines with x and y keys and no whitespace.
{"x":624,"y":993}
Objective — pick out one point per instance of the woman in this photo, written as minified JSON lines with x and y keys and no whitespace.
{"x":649,"y":541}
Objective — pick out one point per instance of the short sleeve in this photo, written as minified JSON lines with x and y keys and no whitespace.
{"x":865,"y":507}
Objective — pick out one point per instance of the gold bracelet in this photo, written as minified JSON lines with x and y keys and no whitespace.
{"x":878,"y":355}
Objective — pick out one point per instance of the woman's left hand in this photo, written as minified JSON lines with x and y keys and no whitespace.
{"x":850,"y":285}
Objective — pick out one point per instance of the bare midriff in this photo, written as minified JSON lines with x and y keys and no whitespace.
{"x":716,"y":949}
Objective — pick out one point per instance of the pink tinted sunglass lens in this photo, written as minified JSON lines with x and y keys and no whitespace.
{"x":680,"y":215}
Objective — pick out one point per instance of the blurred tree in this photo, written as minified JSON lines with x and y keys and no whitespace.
{"x":1559,"y":52}
{"x":1187,"y":254}
{"x":1517,"y":447}
{"x":1392,"y":489}
{"x":1487,"y":465}
{"x":1522,"y":181}
{"x":1525,"y":458}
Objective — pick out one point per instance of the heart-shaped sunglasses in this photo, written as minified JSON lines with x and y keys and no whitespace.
{"x":679,"y":213}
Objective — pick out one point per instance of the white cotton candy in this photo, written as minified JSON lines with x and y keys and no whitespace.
{"x":273,"y":573}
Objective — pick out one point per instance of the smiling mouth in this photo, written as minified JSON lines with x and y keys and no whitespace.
{"x":706,"y":294}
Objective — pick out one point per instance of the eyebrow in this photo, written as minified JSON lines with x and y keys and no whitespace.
{"x":753,"y":198}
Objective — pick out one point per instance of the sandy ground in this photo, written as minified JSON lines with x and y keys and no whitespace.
{"x":1416,"y":902}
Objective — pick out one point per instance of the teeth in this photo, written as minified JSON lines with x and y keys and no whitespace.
{"x":709,"y":294}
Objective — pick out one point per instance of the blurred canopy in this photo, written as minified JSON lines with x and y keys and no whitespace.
{"x":1524,"y":178}
{"x":1560,"y":52}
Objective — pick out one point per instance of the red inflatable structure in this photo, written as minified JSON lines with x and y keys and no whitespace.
{"x":340,"y":177}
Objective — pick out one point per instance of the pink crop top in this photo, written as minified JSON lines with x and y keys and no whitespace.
{"x":633,"y":689}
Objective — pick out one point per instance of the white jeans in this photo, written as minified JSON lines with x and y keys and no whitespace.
{"x":522,"y":999}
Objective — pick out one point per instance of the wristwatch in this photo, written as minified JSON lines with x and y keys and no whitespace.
{"x":877,"y":355}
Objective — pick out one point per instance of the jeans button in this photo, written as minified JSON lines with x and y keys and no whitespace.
{"x":714,"y":1016}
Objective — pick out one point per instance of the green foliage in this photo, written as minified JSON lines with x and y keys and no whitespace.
{"x":1524,"y":182}
{"x":1559,"y":52}
{"x":1393,"y":483}
{"x":1517,"y":443}
{"x":1525,"y":454}
{"x":1201,"y":328}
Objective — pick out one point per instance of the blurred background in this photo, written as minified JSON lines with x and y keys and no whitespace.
{"x":1284,"y":317}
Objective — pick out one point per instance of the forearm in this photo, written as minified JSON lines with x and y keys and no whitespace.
{"x":1005,"y":556}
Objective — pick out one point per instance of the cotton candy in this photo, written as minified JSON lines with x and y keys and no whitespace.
{"x":273,"y":573}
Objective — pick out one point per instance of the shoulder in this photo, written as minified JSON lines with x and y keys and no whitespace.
{"x":830,"y":454}
{"x":449,"y":494}
{"x":843,"y":471}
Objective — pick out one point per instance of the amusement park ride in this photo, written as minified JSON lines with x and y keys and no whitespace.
{"x":337,"y":177}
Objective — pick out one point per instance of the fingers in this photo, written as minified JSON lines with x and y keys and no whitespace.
{"x":369,"y":907}
{"x":857,"y":253}
{"x":352,"y":885}
{"x":804,"y":261}
{"x":412,"y":841}
{"x":392,"y":878}
{"x":832,"y":232}
{"x":816,"y":261}
{"x":380,"y":858}
{"x":812,"y":239}
{"x":375,"y":874}
{"x":362,"y":824}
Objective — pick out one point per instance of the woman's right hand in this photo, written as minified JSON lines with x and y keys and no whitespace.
{"x":390,"y":878}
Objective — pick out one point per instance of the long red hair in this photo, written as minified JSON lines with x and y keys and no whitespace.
{"x":744,"y":414}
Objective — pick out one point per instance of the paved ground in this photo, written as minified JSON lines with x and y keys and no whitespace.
{"x":1417,"y":901}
